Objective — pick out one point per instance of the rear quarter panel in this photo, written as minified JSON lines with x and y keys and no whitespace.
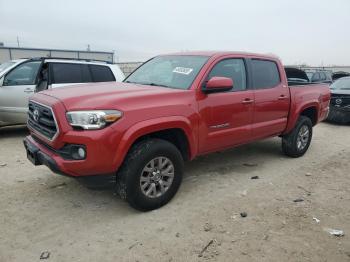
{"x":306,"y":96}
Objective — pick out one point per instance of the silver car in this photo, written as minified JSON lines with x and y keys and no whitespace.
{"x":19,"y":79}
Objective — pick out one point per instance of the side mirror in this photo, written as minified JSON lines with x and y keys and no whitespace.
{"x":218,"y":84}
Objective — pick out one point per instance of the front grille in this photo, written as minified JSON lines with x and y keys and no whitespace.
{"x":42,"y":120}
{"x":340,"y":100}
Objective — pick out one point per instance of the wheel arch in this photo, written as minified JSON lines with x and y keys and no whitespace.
{"x":310,"y":110}
{"x":175,"y":129}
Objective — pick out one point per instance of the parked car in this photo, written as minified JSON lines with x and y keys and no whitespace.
{"x":320,"y":76}
{"x":340,"y":101}
{"x":19,"y":79}
{"x":171,"y":109}
{"x":339,"y":74}
{"x":296,"y":76}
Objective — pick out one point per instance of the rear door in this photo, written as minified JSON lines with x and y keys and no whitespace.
{"x":18,"y":85}
{"x":226,"y":116}
{"x":272,"y":99}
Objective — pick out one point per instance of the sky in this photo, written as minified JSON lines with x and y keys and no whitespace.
{"x":313,"y":32}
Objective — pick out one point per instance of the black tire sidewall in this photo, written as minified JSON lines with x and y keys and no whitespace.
{"x":305,"y":122}
{"x":152,"y":149}
{"x":290,"y":141}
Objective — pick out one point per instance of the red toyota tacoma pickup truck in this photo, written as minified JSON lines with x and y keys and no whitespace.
{"x":171,"y":109}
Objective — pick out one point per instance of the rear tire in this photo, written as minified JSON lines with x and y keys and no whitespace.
{"x":297,"y":142}
{"x":151,"y":174}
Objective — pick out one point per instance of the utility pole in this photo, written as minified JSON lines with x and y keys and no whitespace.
{"x":115,"y":57}
{"x":17,"y":41}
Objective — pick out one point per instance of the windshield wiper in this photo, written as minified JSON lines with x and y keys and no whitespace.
{"x":147,"y":83}
{"x":154,"y":84}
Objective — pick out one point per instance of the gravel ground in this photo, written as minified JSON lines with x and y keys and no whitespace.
{"x":44,"y":212}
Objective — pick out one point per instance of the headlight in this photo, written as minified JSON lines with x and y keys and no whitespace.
{"x":93,"y":119}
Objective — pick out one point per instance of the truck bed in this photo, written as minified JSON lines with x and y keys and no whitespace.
{"x":301,"y":84}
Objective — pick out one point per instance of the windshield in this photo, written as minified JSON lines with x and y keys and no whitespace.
{"x":343,"y":83}
{"x":6,"y":65}
{"x":174,"y":71}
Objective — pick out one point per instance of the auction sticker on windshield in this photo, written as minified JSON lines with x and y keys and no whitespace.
{"x":182,"y":70}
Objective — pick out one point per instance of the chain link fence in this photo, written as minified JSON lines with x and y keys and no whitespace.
{"x":128,"y":67}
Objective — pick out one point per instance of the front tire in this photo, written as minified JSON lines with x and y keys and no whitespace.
{"x":151,"y":174}
{"x":297,"y":142}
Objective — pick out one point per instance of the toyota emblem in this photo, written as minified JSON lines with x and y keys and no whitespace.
{"x":36,"y":115}
{"x":338,"y":101}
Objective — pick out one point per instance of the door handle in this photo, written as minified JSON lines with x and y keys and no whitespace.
{"x":282,"y":97}
{"x":28,"y":90}
{"x":247,"y":101}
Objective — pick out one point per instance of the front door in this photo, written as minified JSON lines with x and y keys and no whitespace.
{"x":226,"y":117}
{"x":18,"y":85}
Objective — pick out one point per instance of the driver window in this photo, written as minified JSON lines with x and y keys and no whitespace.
{"x":231,"y":68}
{"x":24,"y":74}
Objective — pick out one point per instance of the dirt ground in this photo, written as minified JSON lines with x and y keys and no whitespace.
{"x":44,"y":212}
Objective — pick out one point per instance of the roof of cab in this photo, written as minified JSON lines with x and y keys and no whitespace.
{"x":74,"y":61}
{"x":224,"y":53}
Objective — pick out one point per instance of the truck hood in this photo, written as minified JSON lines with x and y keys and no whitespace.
{"x":110,"y":95}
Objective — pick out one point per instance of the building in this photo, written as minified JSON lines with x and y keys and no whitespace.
{"x":129,"y":67}
{"x":9,"y":53}
{"x":332,"y":69}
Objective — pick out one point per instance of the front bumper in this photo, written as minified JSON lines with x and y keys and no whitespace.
{"x":96,"y":163}
{"x":38,"y":157}
{"x":339,"y":114}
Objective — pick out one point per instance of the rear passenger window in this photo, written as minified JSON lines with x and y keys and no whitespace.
{"x":231,"y":68}
{"x":265,"y":74}
{"x":63,"y":73}
{"x":101,"y":73}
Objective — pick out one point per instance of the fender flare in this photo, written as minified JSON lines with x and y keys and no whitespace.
{"x":297,"y":112}
{"x":154,"y":125}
